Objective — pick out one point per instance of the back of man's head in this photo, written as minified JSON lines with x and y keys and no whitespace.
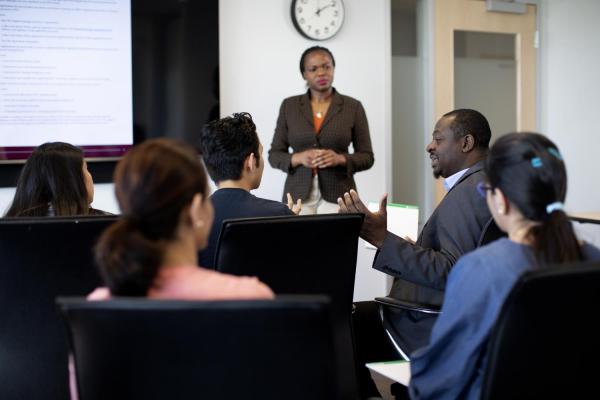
{"x":471,"y":122}
{"x":226,"y":143}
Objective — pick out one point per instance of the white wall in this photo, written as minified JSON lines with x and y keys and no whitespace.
{"x":259,"y":56}
{"x":6,"y":196}
{"x":570,"y":95}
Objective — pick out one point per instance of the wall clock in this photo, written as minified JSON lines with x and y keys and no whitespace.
{"x":318,"y":19}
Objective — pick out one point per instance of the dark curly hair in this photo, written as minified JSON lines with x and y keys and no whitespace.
{"x":226,"y":143}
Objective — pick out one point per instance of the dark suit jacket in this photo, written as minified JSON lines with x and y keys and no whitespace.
{"x":230,"y":203}
{"x":421,"y":270}
{"x":345,"y":123}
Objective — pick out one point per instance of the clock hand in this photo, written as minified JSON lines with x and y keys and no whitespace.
{"x":322,"y":8}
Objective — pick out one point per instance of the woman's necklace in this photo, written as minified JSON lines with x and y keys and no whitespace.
{"x":320,"y":107}
{"x":320,"y":110}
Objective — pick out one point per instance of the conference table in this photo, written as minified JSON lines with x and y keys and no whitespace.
{"x":386,"y":373}
{"x":586,"y":217}
{"x":398,"y":371}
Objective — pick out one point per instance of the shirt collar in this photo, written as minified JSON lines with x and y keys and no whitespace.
{"x":450,"y":181}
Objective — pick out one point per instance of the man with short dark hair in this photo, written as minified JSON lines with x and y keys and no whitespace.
{"x":233,"y":157}
{"x":458,"y":147}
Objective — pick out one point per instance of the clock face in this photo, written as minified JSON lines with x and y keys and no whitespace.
{"x":318,"y":19}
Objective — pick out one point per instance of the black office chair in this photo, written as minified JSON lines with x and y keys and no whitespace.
{"x":388,"y":305}
{"x":546,"y":341}
{"x":314,"y":254}
{"x":160,"y":349}
{"x":41,"y":258}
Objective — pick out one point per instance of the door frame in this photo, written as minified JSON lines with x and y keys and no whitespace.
{"x":471,"y":15}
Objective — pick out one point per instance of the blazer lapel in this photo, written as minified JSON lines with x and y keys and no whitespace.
{"x":478,"y":166}
{"x":306,"y":109}
{"x":335,"y":107}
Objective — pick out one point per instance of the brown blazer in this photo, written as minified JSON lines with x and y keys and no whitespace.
{"x":345,"y":124}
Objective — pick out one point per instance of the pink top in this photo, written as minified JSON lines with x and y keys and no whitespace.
{"x":189,"y":283}
{"x":196,"y":283}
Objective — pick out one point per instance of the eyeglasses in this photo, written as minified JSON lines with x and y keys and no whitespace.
{"x":482,"y":188}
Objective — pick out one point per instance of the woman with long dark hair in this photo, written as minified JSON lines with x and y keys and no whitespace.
{"x":55,"y":181}
{"x":152,"y":251}
{"x":525,"y":192}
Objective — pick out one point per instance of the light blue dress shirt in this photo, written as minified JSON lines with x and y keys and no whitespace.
{"x":450,"y":181}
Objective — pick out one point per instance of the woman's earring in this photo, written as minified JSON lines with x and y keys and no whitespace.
{"x":501,"y":210}
{"x":198,"y":224}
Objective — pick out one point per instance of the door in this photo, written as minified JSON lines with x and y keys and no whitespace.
{"x":485,"y":60}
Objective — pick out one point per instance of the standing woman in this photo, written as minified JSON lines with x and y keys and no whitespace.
{"x":54,"y":182}
{"x":319,"y":126}
{"x":527,"y":185}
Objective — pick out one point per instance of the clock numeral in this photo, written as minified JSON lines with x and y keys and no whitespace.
{"x":326,"y":29}
{"x":299,"y":10}
{"x":301,"y":20}
{"x":335,"y":13}
{"x":304,"y":1}
{"x":332,"y":23}
{"x":309,"y":27}
{"x":317,"y":32}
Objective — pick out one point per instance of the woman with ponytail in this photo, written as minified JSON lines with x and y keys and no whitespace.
{"x":162,"y":191}
{"x":525,"y":191}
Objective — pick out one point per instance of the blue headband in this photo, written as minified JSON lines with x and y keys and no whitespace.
{"x":556,"y":206}
{"x":536,"y":162}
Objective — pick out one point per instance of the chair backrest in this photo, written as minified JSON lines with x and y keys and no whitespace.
{"x":313,"y":254}
{"x":162,"y":349}
{"x":546,"y":342}
{"x":294,"y":254}
{"x":41,"y":258}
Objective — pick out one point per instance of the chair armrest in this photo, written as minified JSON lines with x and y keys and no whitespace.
{"x":408,"y":305}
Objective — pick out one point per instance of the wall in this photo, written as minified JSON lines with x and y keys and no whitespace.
{"x":408,"y":132}
{"x":259,"y":55}
{"x":570,"y":95}
{"x":6,"y":196}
